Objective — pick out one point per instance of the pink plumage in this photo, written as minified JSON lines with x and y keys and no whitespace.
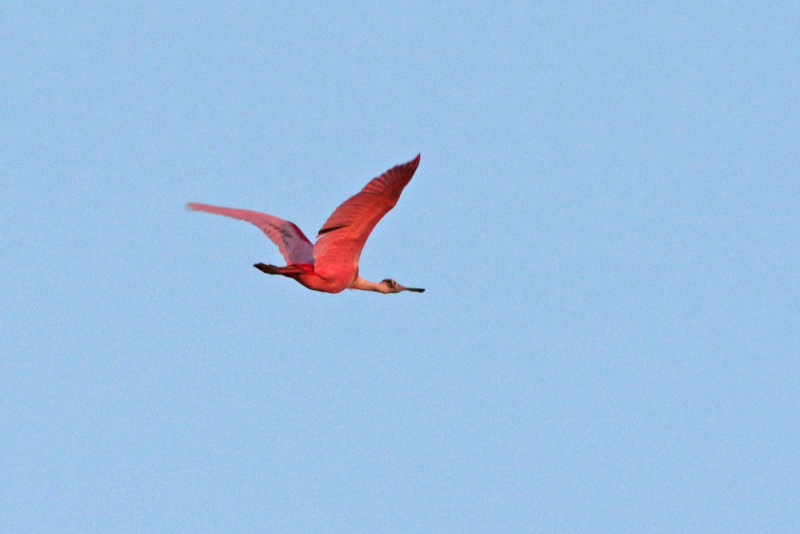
{"x":331,"y":264}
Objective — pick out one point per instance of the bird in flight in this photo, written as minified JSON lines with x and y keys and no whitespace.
{"x":331,"y":264}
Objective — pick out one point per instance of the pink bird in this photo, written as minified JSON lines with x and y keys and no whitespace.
{"x":331,"y":264}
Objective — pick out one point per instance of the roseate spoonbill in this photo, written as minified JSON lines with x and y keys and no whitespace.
{"x":331,"y":264}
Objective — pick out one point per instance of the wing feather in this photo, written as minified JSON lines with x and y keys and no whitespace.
{"x":344,"y":233}
{"x":293,"y":244}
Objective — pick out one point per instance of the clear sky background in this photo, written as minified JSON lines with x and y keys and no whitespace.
{"x":606,"y":218}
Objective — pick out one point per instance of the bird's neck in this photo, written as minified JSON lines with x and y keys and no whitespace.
{"x":366,"y":285}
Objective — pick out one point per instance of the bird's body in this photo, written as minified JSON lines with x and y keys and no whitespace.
{"x":331,"y":264}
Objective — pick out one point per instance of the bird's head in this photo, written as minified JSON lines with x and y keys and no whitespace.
{"x":391,"y":286}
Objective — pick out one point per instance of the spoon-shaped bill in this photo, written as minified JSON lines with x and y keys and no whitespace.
{"x":414,"y":289}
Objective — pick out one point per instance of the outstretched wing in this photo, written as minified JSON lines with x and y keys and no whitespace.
{"x":344,"y":233}
{"x":294,"y":245}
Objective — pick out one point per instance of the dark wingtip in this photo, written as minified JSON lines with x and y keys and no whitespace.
{"x":413,"y":164}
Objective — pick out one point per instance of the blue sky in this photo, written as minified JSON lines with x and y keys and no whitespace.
{"x":605,"y":218}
